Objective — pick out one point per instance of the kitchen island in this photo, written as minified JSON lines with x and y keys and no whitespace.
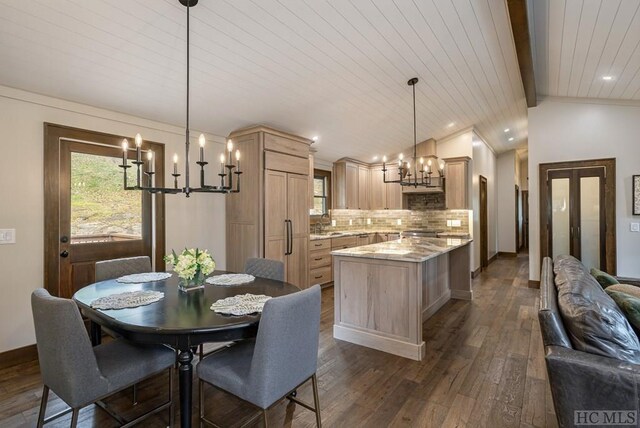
{"x":385,"y":291}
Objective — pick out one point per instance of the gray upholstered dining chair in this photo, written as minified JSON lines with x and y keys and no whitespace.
{"x":265,"y":268}
{"x":110,"y":269}
{"x":283,"y":356}
{"x":81,"y":374}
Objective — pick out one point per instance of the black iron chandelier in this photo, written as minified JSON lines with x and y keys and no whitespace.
{"x":227,"y":167}
{"x":405,"y":176}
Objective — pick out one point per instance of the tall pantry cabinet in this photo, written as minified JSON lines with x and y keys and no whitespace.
{"x":270,"y":216}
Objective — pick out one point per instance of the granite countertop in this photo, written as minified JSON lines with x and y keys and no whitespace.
{"x":405,"y":249}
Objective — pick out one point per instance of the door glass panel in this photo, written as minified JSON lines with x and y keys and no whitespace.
{"x":101,"y":211}
{"x":590,"y":221}
{"x":560,"y":216}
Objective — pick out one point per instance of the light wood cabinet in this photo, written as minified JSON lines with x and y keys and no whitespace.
{"x":346,"y":186}
{"x":394,"y":196}
{"x":276,"y":173}
{"x":378,"y":189}
{"x":363,"y":187}
{"x":287,"y":224}
{"x":362,"y":240}
{"x":311,"y":175}
{"x":457,"y":183}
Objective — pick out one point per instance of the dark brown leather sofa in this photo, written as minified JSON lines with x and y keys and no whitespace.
{"x":582,"y":381}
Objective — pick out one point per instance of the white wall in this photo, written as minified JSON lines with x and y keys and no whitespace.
{"x":568,"y":130}
{"x":484,"y":163}
{"x":197,"y":221}
{"x":506,"y":170}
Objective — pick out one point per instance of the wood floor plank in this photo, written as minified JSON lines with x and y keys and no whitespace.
{"x":484,"y":367}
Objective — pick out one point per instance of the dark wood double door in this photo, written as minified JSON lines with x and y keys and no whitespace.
{"x":577,"y":201}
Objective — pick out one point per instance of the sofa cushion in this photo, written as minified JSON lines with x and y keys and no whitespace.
{"x":624,"y":288}
{"x":603,"y":278}
{"x":629,"y":304}
{"x":592,"y":319}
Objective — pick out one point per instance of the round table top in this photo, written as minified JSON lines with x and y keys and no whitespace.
{"x":178,"y":312}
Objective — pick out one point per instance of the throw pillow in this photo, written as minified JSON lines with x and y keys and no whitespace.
{"x":604,"y":278}
{"x":625,"y":288}
{"x":629,"y":304}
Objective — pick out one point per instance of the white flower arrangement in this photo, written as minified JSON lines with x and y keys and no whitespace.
{"x":191,"y":263}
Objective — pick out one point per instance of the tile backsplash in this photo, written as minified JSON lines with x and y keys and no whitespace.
{"x":458,"y":220}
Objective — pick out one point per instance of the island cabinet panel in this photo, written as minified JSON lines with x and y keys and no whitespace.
{"x":435,"y":287}
{"x":379,"y":305}
{"x":384,"y":292}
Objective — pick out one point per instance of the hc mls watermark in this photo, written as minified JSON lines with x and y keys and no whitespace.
{"x":605,"y":417}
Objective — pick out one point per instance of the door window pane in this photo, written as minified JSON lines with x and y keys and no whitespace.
{"x":590,"y":221}
{"x":101,"y":210}
{"x":560,"y":216}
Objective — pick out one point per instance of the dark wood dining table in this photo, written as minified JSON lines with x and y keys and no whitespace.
{"x":182,"y":320}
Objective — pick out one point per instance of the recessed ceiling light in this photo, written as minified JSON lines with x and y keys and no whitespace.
{"x":314,"y":138}
{"x":607,"y":77}
{"x":375,"y":158}
{"x":510,"y":138}
{"x":506,"y":129}
{"x":451,"y":125}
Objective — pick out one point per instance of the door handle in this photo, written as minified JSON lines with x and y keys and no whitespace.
{"x":286,"y":244}
{"x":64,"y":254}
{"x":290,"y":237}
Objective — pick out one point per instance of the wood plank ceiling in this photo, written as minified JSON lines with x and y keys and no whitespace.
{"x":336,"y":69}
{"x":579,"y":42}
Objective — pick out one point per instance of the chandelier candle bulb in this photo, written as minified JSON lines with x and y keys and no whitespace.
{"x":139,"y":147}
{"x":221,"y":163}
{"x":175,"y":163}
{"x":150,"y":159}
{"x":202,"y":142}
{"x":125,"y":149}
{"x":238,"y":159}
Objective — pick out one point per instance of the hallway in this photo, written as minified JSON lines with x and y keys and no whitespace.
{"x":484,"y":367}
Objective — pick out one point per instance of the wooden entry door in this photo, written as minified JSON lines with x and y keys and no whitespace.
{"x":89,"y":216}
{"x":484,"y":223}
{"x":577,"y":212}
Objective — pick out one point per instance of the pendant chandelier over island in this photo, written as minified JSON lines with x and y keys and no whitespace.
{"x":405,"y":175}
{"x":227,"y":167}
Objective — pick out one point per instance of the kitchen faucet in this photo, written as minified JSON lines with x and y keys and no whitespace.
{"x":320,"y":222}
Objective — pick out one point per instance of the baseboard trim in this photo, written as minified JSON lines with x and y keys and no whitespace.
{"x":476,"y":272}
{"x":492,"y":259}
{"x":506,"y":254}
{"x":534,"y":284}
{"x":18,"y":356}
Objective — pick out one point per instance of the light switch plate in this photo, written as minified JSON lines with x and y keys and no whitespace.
{"x":635,"y":227}
{"x":7,"y":236}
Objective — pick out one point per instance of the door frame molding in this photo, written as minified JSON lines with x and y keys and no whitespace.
{"x":484,"y":213}
{"x":53,"y":134}
{"x":609,"y":165}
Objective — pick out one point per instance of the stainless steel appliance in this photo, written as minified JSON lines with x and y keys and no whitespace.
{"x":421,"y":233}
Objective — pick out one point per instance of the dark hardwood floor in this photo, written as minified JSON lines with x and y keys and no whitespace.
{"x":484,"y":368}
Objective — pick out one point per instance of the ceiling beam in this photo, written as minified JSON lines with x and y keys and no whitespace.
{"x":520,"y":30}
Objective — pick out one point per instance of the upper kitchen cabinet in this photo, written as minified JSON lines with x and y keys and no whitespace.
{"x":377,"y":189}
{"x":346,"y":185}
{"x":393,"y":191}
{"x":457,"y":183}
{"x":270,"y":216}
{"x":363,"y":187}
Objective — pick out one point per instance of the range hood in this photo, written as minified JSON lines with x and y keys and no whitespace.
{"x":427,"y":150}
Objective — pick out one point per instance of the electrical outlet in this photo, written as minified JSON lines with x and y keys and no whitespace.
{"x":449,"y":223}
{"x":333,"y":223}
{"x":635,"y":227}
{"x":399,"y":222}
{"x":456,"y":223}
{"x":7,"y":236}
{"x":350,"y":222}
{"x":368,"y":221}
